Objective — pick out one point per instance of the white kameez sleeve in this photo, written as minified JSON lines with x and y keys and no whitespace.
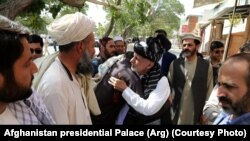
{"x":153,"y":103}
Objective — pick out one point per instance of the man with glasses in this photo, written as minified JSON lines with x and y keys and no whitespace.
{"x":36,"y":46}
{"x":212,"y":107}
{"x":192,"y":82}
{"x":215,"y":56}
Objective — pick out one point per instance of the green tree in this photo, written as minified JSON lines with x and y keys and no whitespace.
{"x":142,"y":17}
{"x":31,"y":16}
{"x":37,"y":15}
{"x":34,"y":13}
{"x":164,"y":16}
{"x":127,"y":17}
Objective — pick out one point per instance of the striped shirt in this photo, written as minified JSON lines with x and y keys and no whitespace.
{"x":31,"y":111}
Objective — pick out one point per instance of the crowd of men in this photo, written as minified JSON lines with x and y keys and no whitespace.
{"x":137,"y":83}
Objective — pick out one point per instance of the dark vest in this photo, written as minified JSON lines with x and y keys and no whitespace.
{"x":198,"y":88}
{"x":167,"y":59}
{"x":134,"y":117}
{"x":110,"y":101}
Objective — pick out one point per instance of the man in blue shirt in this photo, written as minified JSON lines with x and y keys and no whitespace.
{"x":234,"y":91}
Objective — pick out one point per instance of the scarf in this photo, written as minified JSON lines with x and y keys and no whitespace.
{"x":150,"y":80}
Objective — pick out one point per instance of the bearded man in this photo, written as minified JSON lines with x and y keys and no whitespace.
{"x":62,"y":86}
{"x":233,"y":91}
{"x":18,"y":104}
{"x":192,"y":80}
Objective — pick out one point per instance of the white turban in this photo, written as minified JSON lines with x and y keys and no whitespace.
{"x":71,"y":28}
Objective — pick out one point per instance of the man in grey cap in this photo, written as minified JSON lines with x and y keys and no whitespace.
{"x":192,"y":80}
{"x":60,"y":86}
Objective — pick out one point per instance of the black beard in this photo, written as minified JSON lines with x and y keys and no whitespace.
{"x":12,"y":91}
{"x":85,"y":65}
{"x":108,"y":55}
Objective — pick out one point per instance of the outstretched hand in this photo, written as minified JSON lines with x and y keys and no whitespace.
{"x":118,"y":84}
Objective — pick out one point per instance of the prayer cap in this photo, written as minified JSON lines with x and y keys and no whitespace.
{"x":118,"y":38}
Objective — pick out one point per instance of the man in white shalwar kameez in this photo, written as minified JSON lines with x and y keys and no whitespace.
{"x":60,"y":86}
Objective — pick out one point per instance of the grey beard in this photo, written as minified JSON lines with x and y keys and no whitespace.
{"x":186,"y":54}
{"x":85,"y":65}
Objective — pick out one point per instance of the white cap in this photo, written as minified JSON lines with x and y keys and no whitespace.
{"x":118,"y":38}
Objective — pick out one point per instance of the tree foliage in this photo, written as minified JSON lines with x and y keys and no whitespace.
{"x":37,"y":15}
{"x":142,"y":17}
{"x":128,"y":18}
{"x":130,"y":14}
{"x":31,"y":18}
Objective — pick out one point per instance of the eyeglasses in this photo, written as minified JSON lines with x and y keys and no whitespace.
{"x":37,"y":50}
{"x":219,"y":51}
{"x":189,"y":45}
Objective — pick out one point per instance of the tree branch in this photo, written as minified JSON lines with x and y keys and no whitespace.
{"x":104,"y":4}
{"x":11,"y":8}
{"x":74,"y":3}
{"x":80,"y":3}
